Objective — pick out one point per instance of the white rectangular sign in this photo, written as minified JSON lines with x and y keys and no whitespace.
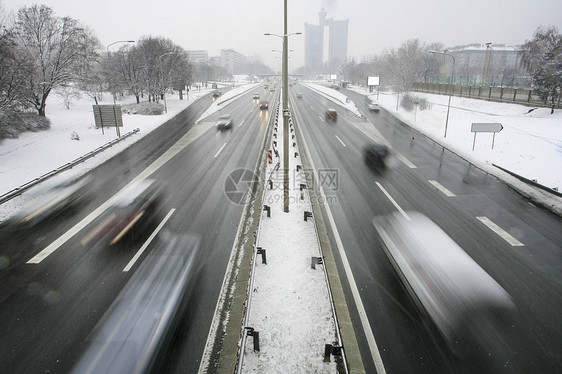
{"x":373,"y":81}
{"x":486,"y":127}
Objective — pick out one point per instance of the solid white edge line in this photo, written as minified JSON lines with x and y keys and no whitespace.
{"x":220,"y":150}
{"x":342,"y":143}
{"x":393,"y":201}
{"x":442,"y":188}
{"x":373,"y":348}
{"x":148,"y":241}
{"x":501,"y":232}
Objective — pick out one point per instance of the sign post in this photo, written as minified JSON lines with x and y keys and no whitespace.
{"x":485,"y":127}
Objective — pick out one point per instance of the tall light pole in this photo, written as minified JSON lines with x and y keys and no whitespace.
{"x":162,"y":79}
{"x":452,"y":88}
{"x":285,"y":95}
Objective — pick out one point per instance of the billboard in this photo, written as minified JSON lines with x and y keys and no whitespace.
{"x":373,"y":81}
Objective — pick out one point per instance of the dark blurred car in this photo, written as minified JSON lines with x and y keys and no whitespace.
{"x":299,"y":95}
{"x":375,"y":155}
{"x":264,"y":105}
{"x":134,"y":334}
{"x":224,"y":122}
{"x":469,"y":308}
{"x":131,"y":212}
{"x":216,"y":94}
{"x":256,"y":97}
{"x":51,"y":200}
{"x":331,"y":115}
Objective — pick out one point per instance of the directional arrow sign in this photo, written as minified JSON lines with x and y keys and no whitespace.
{"x":486,"y":127}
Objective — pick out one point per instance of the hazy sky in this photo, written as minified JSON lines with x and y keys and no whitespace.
{"x":374,"y":26}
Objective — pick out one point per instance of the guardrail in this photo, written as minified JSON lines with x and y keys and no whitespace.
{"x":21,"y":189}
{"x":522,"y":96}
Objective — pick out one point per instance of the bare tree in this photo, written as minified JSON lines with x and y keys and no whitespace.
{"x":56,"y":47}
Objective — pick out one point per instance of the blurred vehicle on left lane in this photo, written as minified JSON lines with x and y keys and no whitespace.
{"x":132,"y":211}
{"x":134,"y":334}
{"x":52,"y":200}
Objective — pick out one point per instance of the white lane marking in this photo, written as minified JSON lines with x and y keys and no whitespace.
{"x":375,"y":354}
{"x":148,"y":241}
{"x":401,"y":157}
{"x":241,"y":123}
{"x":501,"y":232}
{"x":342,"y":143}
{"x":442,"y":188}
{"x":321,"y":119}
{"x":220,"y":150}
{"x":393,"y":201}
{"x":311,"y":107}
{"x":186,"y":140}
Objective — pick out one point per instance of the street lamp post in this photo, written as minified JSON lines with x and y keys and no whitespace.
{"x":452,"y":88}
{"x":285,"y":95}
{"x":162,"y":79}
{"x":119,"y":41}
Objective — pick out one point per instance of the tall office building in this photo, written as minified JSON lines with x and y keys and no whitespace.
{"x":336,"y":43}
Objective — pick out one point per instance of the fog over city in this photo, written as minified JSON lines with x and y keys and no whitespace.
{"x":374,"y":26}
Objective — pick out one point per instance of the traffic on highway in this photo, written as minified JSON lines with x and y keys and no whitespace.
{"x":127,"y":277}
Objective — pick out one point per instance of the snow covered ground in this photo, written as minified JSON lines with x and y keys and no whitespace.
{"x":290,"y":305}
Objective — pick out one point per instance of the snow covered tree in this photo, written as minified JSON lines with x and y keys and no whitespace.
{"x":56,"y":47}
{"x":542,"y":57}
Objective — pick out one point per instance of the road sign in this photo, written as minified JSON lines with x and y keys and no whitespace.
{"x":486,"y":127}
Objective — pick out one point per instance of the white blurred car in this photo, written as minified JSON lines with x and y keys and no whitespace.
{"x":468,"y":307}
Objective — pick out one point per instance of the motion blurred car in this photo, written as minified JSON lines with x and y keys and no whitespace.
{"x":299,"y":95}
{"x":373,"y":107}
{"x":216,"y":95}
{"x":134,"y":334}
{"x":52,"y":200}
{"x":331,"y":115}
{"x":256,"y":97}
{"x":469,"y":308}
{"x":224,"y":122}
{"x":132,"y":211}
{"x":264,"y":105}
{"x":375,"y":155}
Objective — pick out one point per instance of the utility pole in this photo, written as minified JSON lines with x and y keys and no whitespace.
{"x":486,"y":63}
{"x":285,"y":113}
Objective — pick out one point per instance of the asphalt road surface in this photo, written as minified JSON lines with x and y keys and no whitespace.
{"x":459,"y":198}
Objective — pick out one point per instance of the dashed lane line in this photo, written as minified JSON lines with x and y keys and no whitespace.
{"x":501,"y":232}
{"x":442,"y":188}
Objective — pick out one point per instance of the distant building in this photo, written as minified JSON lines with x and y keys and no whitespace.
{"x":198,"y":56}
{"x":502,"y":66}
{"x":234,"y":62}
{"x":313,"y":45}
{"x":314,"y":54}
{"x":337,"y":53}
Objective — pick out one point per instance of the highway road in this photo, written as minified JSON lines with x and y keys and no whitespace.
{"x":466,"y":203}
{"x":49,"y":308}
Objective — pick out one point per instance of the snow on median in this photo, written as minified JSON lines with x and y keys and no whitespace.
{"x":290,"y":304}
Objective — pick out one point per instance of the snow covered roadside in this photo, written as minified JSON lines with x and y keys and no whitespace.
{"x":290,"y":304}
{"x":529,"y":145}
